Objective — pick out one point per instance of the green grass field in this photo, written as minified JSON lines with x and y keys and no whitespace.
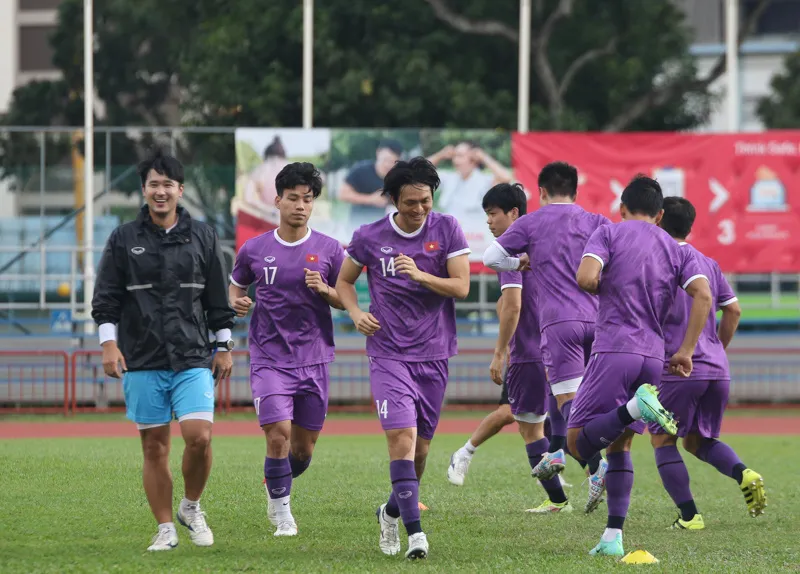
{"x":78,"y":506}
{"x":757,"y":307}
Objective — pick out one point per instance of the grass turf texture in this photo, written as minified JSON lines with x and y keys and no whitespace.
{"x":757,"y":307}
{"x":78,"y":506}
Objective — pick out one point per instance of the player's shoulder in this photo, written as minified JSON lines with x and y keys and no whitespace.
{"x":437,"y":219}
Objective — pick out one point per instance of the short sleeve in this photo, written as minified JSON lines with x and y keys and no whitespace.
{"x":598,"y":246}
{"x":510,"y":280}
{"x":515,"y":239}
{"x":458,"y":241}
{"x":242,"y":275}
{"x":337,"y":258}
{"x":725,"y":294}
{"x":690,"y":268}
{"x":357,"y":250}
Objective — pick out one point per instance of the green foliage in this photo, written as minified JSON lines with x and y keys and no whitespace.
{"x":781,"y":108}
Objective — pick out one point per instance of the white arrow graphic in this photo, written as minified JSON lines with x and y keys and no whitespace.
{"x":617,"y":189}
{"x":721,"y":195}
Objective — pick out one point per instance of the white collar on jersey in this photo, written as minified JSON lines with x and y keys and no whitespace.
{"x":403,"y":233}
{"x":296,"y":243}
{"x":682,"y":243}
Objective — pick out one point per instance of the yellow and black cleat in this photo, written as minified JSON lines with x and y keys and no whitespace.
{"x":696,"y":523}
{"x":755,"y":496}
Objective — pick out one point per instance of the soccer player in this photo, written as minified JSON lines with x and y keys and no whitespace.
{"x":417,"y":266}
{"x":551,"y":242}
{"x":642,"y":268}
{"x":160,"y":287}
{"x":699,"y":402}
{"x":294,"y":270}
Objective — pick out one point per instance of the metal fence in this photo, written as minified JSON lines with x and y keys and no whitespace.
{"x":56,"y":381}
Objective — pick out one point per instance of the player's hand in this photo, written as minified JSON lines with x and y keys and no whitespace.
{"x":315,"y":283}
{"x":524,"y":262}
{"x":113,"y":361}
{"x":681,"y":364}
{"x":242,"y":305}
{"x":221,"y":366}
{"x":366,"y":323}
{"x":404,"y":265}
{"x":496,"y":368}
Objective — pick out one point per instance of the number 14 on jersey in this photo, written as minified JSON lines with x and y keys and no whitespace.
{"x":387,"y":266}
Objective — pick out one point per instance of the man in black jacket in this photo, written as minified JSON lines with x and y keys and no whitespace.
{"x":161,"y":286}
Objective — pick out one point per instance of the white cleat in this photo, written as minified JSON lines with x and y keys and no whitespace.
{"x":459,"y":465}
{"x":552,"y":463}
{"x":195,"y":520}
{"x":417,"y":546}
{"x":166,"y":539}
{"x":286,"y":526}
{"x":389,"y":542}
{"x":597,"y":486}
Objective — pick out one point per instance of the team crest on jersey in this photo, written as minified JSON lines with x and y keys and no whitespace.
{"x":432,"y":246}
{"x":386,"y":249}
{"x":311,"y":258}
{"x":269,"y":259}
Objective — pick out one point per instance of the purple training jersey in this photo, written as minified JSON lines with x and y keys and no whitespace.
{"x":416,"y":323}
{"x":291,"y":325}
{"x":525,"y":345}
{"x":643,"y":267}
{"x":709,"y":359}
{"x":554,"y":237}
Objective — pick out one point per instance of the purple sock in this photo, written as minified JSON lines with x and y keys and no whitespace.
{"x":722,"y":457}
{"x":298,"y":466}
{"x":565,"y":409}
{"x":675,"y":477}
{"x":619,"y":483}
{"x":558,"y":426}
{"x":392,"y":509}
{"x":552,"y":486}
{"x":602,"y":431}
{"x":278,"y":473}
{"x":405,"y":488}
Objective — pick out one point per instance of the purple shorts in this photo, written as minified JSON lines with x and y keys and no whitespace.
{"x":299,"y":395}
{"x":698,"y":406}
{"x":611,"y":381}
{"x":566,"y":348}
{"x":527,"y":389}
{"x":408,"y":395}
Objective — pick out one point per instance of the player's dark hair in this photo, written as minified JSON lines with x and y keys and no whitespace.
{"x":392,"y":145}
{"x":679,"y":215}
{"x":416,"y":171}
{"x":506,"y":196}
{"x":163,"y":164}
{"x":299,"y":173}
{"x":642,"y":196}
{"x":559,"y":179}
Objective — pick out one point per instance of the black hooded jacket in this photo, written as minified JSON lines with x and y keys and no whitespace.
{"x":164,"y":291}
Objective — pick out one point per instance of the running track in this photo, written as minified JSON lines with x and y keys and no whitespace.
{"x":11,"y":430}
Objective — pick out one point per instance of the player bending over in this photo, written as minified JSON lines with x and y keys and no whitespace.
{"x":417,"y":265}
{"x":294,"y":270}
{"x":642,"y":268}
{"x":699,"y":402}
{"x":160,"y":288}
{"x":551,"y":241}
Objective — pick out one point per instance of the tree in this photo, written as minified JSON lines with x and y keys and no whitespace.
{"x":781,"y":108}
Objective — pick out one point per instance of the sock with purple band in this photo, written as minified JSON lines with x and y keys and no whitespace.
{"x":619,"y":484}
{"x":405,"y":489}
{"x":298,"y":466}
{"x":558,"y":426}
{"x":278,"y":473}
{"x":536,"y":451}
{"x":722,"y":457}
{"x":602,"y":431}
{"x":675,"y":478}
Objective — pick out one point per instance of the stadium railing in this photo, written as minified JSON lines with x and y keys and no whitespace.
{"x":39,"y":382}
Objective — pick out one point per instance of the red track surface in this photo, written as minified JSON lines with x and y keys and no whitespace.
{"x":10,"y":430}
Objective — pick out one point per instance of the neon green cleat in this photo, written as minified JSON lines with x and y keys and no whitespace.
{"x":548,"y":507}
{"x":696,"y":523}
{"x":652,"y":410}
{"x":755,"y":496}
{"x":613,"y":548}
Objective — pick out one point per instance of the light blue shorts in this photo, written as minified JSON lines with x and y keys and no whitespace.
{"x":152,"y":397}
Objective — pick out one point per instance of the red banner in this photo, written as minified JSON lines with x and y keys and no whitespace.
{"x":748,"y":219}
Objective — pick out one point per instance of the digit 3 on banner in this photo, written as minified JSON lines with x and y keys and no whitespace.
{"x":746,"y":220}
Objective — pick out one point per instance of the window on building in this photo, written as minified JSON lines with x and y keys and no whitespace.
{"x":35,"y":52}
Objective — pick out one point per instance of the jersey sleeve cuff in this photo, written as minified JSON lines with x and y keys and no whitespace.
{"x":510,"y":286}
{"x":107,"y":332}
{"x":353,"y":259}
{"x":692,"y":278}
{"x":728,"y":302}
{"x":239,"y":285}
{"x":465,"y":251}
{"x":597,"y":257}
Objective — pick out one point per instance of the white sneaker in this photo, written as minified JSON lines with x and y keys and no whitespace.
{"x":390,"y":537}
{"x":166,"y":539}
{"x":417,"y":546}
{"x":286,"y":526}
{"x":459,"y":465}
{"x":195,"y":520}
{"x":597,"y":486}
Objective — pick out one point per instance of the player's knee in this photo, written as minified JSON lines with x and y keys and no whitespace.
{"x":199,"y":442}
{"x":691,"y":443}
{"x":155,"y":448}
{"x":662,"y":440}
{"x":572,"y":441}
{"x":302,"y":451}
